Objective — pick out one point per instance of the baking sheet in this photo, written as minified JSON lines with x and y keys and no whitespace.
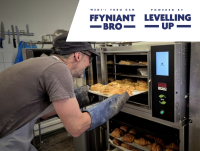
{"x":143,"y":148}
{"x":135,"y":92}
{"x":124,"y":149}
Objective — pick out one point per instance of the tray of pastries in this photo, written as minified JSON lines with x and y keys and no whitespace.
{"x":120,"y":87}
{"x":127,"y":138}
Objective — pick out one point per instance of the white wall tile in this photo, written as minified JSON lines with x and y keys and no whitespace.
{"x":9,"y":57}
{"x":2,"y":67}
{"x":1,"y":57}
{"x":8,"y":65}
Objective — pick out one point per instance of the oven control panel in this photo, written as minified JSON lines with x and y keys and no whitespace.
{"x":162,"y":65}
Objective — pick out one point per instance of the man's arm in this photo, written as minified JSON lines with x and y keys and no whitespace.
{"x":71,"y":116}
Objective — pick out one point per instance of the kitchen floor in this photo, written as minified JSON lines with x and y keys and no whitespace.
{"x":60,"y":140}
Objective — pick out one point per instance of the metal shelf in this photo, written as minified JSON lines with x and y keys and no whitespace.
{"x":126,"y":75}
{"x":138,"y":64}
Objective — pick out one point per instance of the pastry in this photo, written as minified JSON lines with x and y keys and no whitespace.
{"x":112,"y":85}
{"x":135,"y":149}
{"x":151,"y":137}
{"x":97,"y":87}
{"x":160,"y":141}
{"x":133,"y":131}
{"x":110,"y":62}
{"x":111,"y":79}
{"x":142,"y":142}
{"x":154,"y":147}
{"x":168,"y":150}
{"x":117,"y":133}
{"x":126,"y":62}
{"x":172,"y":146}
{"x":126,"y":146}
{"x":110,"y":91}
{"x":140,"y":88}
{"x":116,"y":142}
{"x":129,"y":138}
{"x":124,"y":128}
{"x":142,"y":83}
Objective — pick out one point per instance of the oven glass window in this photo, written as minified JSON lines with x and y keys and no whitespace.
{"x":162,"y":63}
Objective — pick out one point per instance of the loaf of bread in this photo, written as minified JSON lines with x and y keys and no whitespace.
{"x":142,"y":142}
{"x":116,"y":142}
{"x":97,"y":87}
{"x":133,"y":131}
{"x":129,"y":138}
{"x":126,"y":146}
{"x":117,"y":133}
{"x":172,"y":146}
{"x":154,"y":147}
{"x":124,"y":128}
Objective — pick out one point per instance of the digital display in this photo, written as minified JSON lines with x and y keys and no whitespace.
{"x":162,"y":63}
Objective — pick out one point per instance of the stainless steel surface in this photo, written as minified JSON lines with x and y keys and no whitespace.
{"x":194,"y":102}
{"x":27,"y":29}
{"x":17,"y":34}
{"x":9,"y":36}
{"x":2,"y":31}
{"x":13,"y":33}
{"x":126,"y":75}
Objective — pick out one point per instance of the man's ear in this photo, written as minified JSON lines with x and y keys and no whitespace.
{"x":77,"y":56}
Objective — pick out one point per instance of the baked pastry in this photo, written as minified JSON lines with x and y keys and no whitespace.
{"x":172,"y":146}
{"x":142,"y":83}
{"x":111,"y":79}
{"x":141,"y":88}
{"x":110,"y":91}
{"x":126,"y":62}
{"x":97,"y":87}
{"x":142,"y":142}
{"x":151,"y":137}
{"x":127,"y":146}
{"x":168,"y":150}
{"x":110,"y":62}
{"x":133,"y":131}
{"x":129,"y":138}
{"x":135,"y":149}
{"x":116,"y":142}
{"x":160,"y":141}
{"x":124,"y":128}
{"x":117,"y":133}
{"x":113,"y":85}
{"x":143,"y":62}
{"x":154,"y":147}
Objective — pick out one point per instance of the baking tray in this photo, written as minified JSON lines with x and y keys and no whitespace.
{"x":135,"y":92}
{"x":142,"y":148}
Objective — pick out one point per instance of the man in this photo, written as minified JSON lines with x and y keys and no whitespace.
{"x":43,"y":86}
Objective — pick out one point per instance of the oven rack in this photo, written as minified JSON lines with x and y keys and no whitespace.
{"x":136,"y":64}
{"x":142,"y":148}
{"x":129,"y":75}
{"x":144,"y":131}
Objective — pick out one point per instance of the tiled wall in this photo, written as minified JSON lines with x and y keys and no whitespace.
{"x":6,"y":59}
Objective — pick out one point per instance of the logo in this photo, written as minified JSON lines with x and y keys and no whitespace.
{"x":162,"y":99}
{"x":162,"y":86}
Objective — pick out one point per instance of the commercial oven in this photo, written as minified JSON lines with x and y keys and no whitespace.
{"x":161,"y":110}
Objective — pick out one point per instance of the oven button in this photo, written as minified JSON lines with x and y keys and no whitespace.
{"x":162,"y":112}
{"x":162,"y":99}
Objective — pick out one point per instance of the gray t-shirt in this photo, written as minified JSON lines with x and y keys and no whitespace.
{"x":27,"y":88}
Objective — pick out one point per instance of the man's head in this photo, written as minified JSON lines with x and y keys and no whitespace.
{"x":77,"y":55}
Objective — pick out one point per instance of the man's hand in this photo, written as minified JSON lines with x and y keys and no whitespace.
{"x":82,"y":96}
